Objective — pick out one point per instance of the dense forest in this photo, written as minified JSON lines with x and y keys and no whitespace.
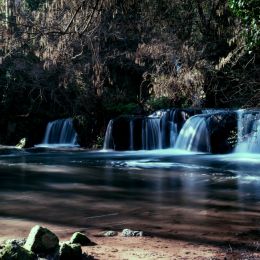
{"x":93,"y":60}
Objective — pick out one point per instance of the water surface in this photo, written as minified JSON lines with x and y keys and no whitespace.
{"x":211,"y":199}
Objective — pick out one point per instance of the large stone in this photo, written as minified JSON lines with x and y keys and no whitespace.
{"x":132,"y":233}
{"x":41,"y":241}
{"x":21,"y":143}
{"x":79,"y":238}
{"x":13,"y":251}
{"x":70,"y":251}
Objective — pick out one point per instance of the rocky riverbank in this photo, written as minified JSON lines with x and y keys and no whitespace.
{"x":43,"y":244}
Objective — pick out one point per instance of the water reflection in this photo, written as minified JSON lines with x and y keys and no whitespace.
{"x":187,"y":196}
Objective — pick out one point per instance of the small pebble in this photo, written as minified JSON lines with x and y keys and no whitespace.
{"x":110,"y":233}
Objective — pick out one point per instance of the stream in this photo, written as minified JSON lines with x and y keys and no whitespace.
{"x":169,"y":193}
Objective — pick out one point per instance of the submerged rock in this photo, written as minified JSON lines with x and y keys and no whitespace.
{"x":70,"y":251}
{"x":80,"y":238}
{"x":41,"y":241}
{"x":13,"y":251}
{"x":132,"y":233}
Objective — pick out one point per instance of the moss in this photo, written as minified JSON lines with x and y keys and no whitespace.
{"x":70,"y":251}
{"x":16,"y":252}
{"x":79,"y":238}
{"x":41,"y":240}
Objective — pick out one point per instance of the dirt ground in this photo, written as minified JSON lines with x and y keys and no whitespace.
{"x":150,"y":247}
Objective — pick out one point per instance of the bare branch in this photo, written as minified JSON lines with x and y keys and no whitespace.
{"x":73,"y":17}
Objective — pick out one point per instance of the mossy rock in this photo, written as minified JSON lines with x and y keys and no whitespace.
{"x":22,"y":143}
{"x":70,"y":251}
{"x":80,"y":238}
{"x":19,"y":242}
{"x":41,"y":241}
{"x":16,"y":252}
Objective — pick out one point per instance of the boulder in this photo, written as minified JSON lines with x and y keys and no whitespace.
{"x":80,"y":238}
{"x":13,"y":251}
{"x":132,"y":233}
{"x":41,"y":241}
{"x":70,"y":251}
{"x":21,"y":143}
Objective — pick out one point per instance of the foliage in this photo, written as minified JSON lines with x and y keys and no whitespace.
{"x":103,"y":58}
{"x":154,"y":104}
{"x":99,"y":142}
{"x":122,"y":109}
{"x":34,"y":4}
{"x":249,"y":12}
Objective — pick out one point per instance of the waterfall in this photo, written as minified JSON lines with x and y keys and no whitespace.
{"x":157,"y":131}
{"x":131,"y":131}
{"x":248,"y":132}
{"x":168,"y":127}
{"x":151,"y":134}
{"x":109,"y":142}
{"x":173,"y":128}
{"x":240,"y":113}
{"x":194,"y":135}
{"x":210,"y":130}
{"x":60,"y":133}
{"x":169,"y":130}
{"x":164,"y":129}
{"x":173,"y":134}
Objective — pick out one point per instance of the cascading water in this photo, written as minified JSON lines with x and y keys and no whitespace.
{"x":186,"y":129}
{"x":151,"y":134}
{"x":252,"y":144}
{"x":157,"y":131}
{"x":248,"y":132}
{"x":194,"y":135}
{"x":173,"y":128}
{"x":131,"y":125}
{"x":109,"y":142}
{"x":163,"y":127}
{"x":60,"y":133}
{"x":168,"y":127}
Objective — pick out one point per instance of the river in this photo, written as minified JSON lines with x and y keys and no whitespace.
{"x":168,"y":193}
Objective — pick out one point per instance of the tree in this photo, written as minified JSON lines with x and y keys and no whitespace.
{"x":249,"y":12}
